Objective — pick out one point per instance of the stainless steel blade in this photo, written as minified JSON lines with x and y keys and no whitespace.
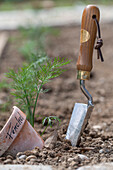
{"x":79,"y":119}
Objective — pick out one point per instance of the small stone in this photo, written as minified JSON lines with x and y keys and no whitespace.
{"x":64,"y":136}
{"x":70,"y":159}
{"x":31,"y":157}
{"x":8,"y":161}
{"x":19,"y":154}
{"x":93,"y":134}
{"x":82,"y":157}
{"x":22,"y":157}
{"x":89,"y":138}
{"x":102,"y":145}
{"x":97,"y":127}
{"x":101,"y":151}
{"x":48,"y":141}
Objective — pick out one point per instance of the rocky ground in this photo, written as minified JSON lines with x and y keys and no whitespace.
{"x":97,"y":140}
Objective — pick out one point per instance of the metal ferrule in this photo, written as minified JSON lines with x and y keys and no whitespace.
{"x":86,"y":93}
{"x":83,"y":75}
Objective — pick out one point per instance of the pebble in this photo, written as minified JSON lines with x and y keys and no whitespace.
{"x":89,"y":138}
{"x":93,"y":134}
{"x":97,"y":127}
{"x":48,"y":141}
{"x":101,"y":151}
{"x":19,"y":154}
{"x":8,"y":161}
{"x":31,"y":157}
{"x":22,"y":157}
{"x":35,"y":152}
{"x":70,"y":159}
{"x":82,"y":157}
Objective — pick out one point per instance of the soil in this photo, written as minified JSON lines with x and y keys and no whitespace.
{"x":97,"y":140}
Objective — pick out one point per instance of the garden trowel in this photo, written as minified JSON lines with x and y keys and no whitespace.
{"x":81,"y":112}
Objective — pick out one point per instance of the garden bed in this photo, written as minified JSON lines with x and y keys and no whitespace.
{"x":97,"y":140}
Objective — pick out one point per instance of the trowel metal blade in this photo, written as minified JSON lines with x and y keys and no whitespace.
{"x":79,"y":119}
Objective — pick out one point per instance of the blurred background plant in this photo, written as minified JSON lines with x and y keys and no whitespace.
{"x":34,"y":38}
{"x":40,"y":4}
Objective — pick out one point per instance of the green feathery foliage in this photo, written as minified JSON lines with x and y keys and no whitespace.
{"x":29,"y":80}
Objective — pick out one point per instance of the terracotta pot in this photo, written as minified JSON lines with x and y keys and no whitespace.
{"x":18,"y":135}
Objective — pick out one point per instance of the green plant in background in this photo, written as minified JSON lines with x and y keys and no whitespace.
{"x":34,"y":41}
{"x":29,"y":80}
{"x":4,"y":85}
{"x":6,"y":103}
{"x":49,"y":122}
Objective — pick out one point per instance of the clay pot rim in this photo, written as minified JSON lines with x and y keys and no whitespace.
{"x":9,"y":119}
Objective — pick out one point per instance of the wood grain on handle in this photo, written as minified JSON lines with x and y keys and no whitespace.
{"x":87,"y":38}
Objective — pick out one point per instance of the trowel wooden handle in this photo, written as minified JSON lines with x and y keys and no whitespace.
{"x":87,"y":39}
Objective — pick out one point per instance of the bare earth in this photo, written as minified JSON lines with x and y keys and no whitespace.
{"x":96,"y":141}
